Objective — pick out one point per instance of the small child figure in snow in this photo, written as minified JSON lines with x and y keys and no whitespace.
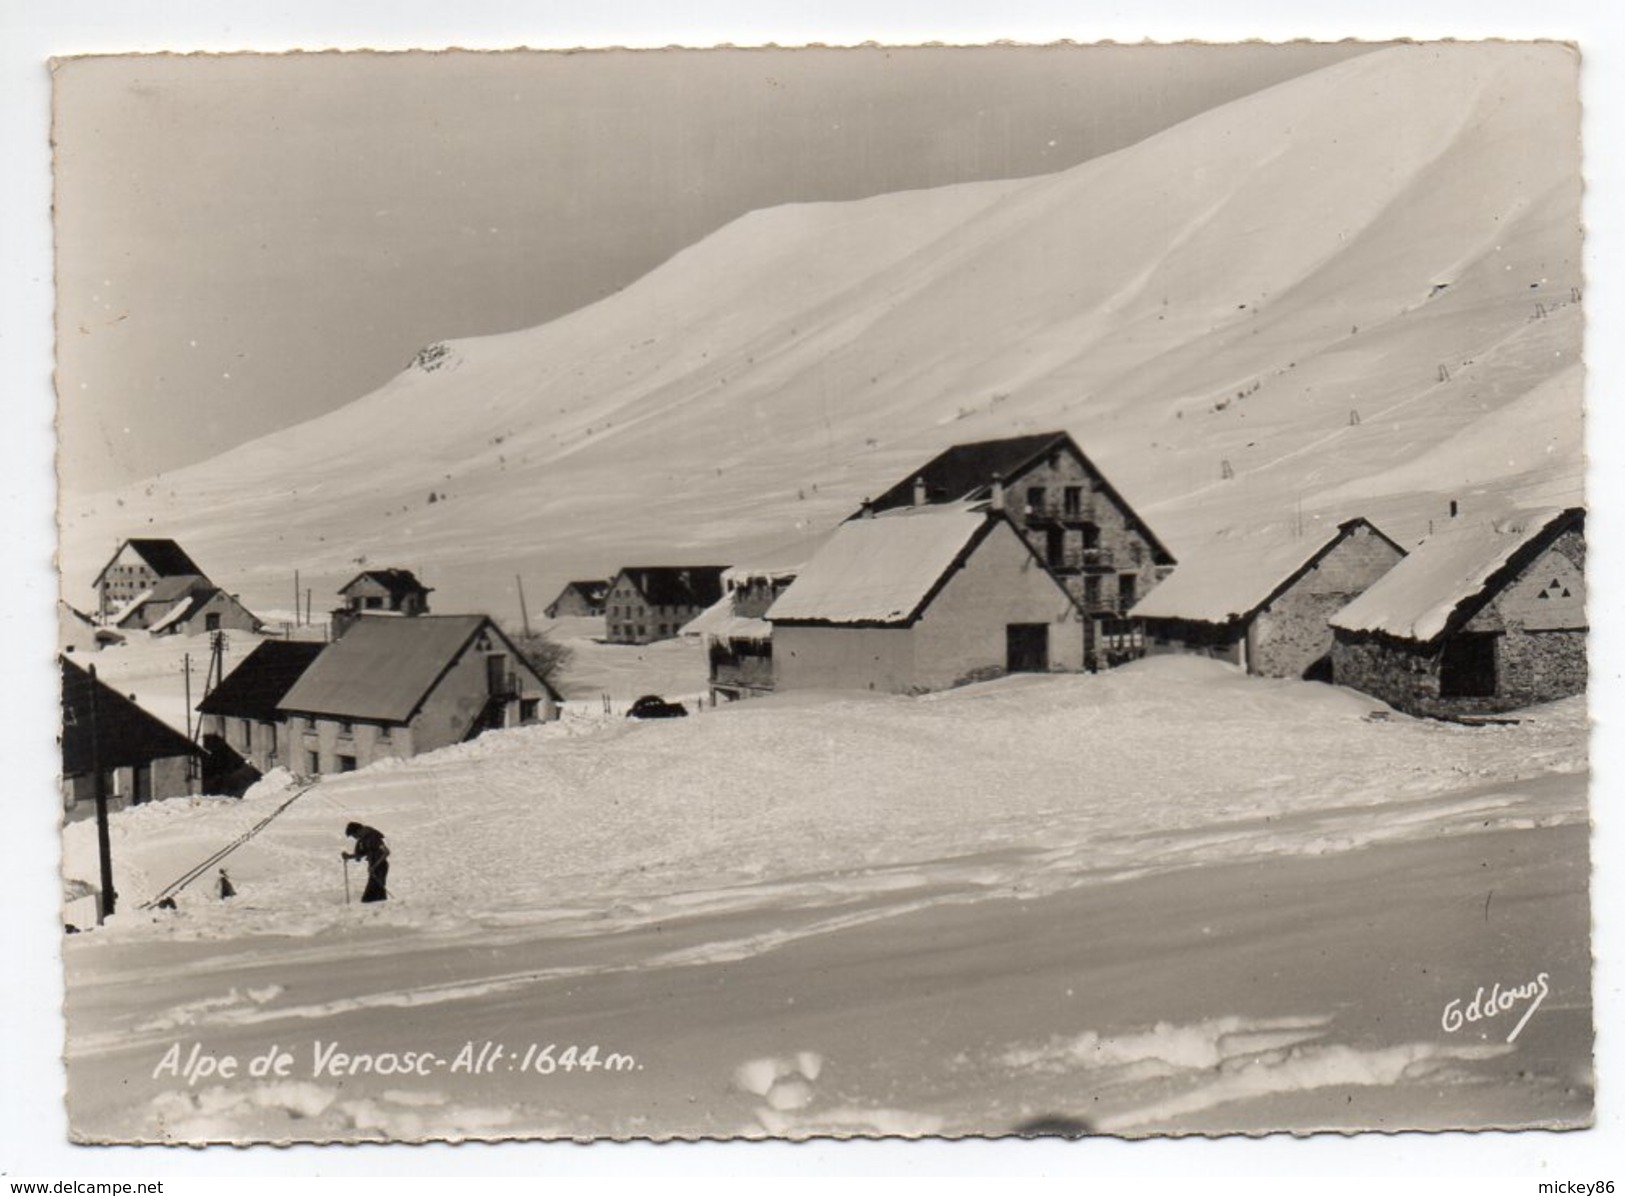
{"x":370,"y":846}
{"x":225,"y":886}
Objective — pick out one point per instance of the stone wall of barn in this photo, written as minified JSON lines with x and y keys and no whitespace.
{"x":1292,"y":634}
{"x":1403,"y":674}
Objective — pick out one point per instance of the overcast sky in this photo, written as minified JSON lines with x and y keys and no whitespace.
{"x":244,"y":242}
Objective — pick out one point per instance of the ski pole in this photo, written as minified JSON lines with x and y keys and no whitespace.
{"x":346,"y":860}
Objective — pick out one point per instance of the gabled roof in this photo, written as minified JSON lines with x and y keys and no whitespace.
{"x":164,"y":557}
{"x":258,"y":683}
{"x":884,"y":571}
{"x":186,"y":590}
{"x":965,"y":472}
{"x":399,"y":583}
{"x":1233,"y":580}
{"x":593,"y":591}
{"x":383,"y":669}
{"x":1449,"y":577}
{"x":125,"y":734}
{"x":169,"y":589}
{"x":676,"y":585}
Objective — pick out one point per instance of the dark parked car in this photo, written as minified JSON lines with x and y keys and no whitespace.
{"x":654,"y":706}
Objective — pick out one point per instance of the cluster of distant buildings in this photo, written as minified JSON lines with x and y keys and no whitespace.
{"x":393,"y":681}
{"x":1018,"y":555}
{"x":1001,"y":556}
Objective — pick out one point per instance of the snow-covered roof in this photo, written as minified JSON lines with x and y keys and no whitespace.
{"x":129,"y":608}
{"x":383,"y":668}
{"x":181,"y":610}
{"x":1233,"y":578}
{"x":881,"y":569}
{"x":1418,"y":597}
{"x":719,"y":622}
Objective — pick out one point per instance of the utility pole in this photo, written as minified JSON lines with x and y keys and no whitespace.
{"x":524,"y":615}
{"x":104,"y":837}
{"x":296,"y":597}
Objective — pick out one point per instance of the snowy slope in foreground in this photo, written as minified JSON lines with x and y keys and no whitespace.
{"x":831,"y":799}
{"x":723,"y":898}
{"x":1332,"y":288}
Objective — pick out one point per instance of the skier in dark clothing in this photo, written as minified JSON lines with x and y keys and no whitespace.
{"x":370,"y":846}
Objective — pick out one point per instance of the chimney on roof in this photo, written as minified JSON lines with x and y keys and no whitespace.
{"x":919,"y":492}
{"x":867,"y":510}
{"x":996,"y":500}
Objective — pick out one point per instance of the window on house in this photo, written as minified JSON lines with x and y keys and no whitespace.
{"x":1125,"y":590}
{"x":386,"y":733}
{"x":1091,"y":537}
{"x":1055,"y":548}
{"x":1072,"y":500}
{"x":313,"y":764}
{"x":529,"y":709}
{"x":346,"y":727}
{"x":248,"y":731}
{"x":1091,"y":591}
{"x":1035,"y":499}
{"x":346,"y":763}
{"x":211,"y":622}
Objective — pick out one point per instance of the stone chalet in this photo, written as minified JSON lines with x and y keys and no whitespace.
{"x":1479,"y":618}
{"x":1266,"y":605}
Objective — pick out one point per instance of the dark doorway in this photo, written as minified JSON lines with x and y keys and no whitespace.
{"x":1467,"y":667}
{"x":1026,"y":647}
{"x":497,"y":680}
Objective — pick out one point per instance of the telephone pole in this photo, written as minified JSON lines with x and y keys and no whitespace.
{"x":104,"y":837}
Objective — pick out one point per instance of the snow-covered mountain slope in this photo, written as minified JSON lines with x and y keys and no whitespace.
{"x":1354,"y":293}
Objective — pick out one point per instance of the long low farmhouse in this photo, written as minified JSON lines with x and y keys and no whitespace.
{"x":919,"y":599}
{"x":1266,"y":605}
{"x":1478,"y":618}
{"x":397,"y":687}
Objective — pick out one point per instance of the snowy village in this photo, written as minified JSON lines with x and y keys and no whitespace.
{"x":1009,"y":657}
